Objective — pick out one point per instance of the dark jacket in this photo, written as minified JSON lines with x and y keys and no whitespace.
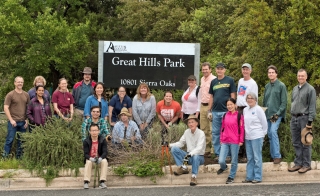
{"x":76,"y":91}
{"x":102,"y":147}
{"x":34,"y":111}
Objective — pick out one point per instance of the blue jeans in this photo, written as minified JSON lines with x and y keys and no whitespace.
{"x":11,"y":135}
{"x":273,"y":138}
{"x":225,"y":149}
{"x":195,"y":160}
{"x":216,"y":126}
{"x":254,"y":157}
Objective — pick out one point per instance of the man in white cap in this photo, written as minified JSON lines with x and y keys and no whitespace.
{"x":245,"y":86}
{"x":195,"y":140}
{"x":82,"y":90}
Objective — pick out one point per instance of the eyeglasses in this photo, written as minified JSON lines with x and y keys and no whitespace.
{"x":191,"y":80}
{"x":95,"y":111}
{"x":249,"y":98}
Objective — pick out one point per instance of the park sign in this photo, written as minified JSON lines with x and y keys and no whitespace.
{"x":160,"y":65}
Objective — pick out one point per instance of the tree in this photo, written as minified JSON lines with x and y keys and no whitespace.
{"x":43,"y":45}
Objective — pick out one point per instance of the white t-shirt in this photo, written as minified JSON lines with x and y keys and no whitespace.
{"x":244,"y":87}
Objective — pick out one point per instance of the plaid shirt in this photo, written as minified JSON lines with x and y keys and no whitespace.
{"x":103,"y":126}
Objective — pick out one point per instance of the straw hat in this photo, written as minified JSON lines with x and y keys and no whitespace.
{"x":191,"y":117}
{"x":125,"y":111}
{"x":306,"y":136}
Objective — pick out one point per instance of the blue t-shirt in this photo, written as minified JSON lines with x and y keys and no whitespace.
{"x":85,"y":93}
{"x":117,"y":106}
{"x":221,"y":90}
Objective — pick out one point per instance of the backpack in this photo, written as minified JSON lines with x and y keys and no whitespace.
{"x":238,"y":120}
{"x":197,"y":91}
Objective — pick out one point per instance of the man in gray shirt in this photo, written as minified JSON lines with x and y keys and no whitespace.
{"x":303,"y":112}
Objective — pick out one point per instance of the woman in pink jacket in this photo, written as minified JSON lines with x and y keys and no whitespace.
{"x":231,"y":138}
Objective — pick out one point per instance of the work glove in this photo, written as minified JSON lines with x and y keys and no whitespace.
{"x":99,"y":160}
{"x":93,"y":160}
{"x":209,"y":115}
{"x":274,"y":118}
{"x":170,"y":124}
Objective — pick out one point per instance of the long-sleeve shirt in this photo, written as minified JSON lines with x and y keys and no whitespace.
{"x":255,"y":122}
{"x":231,"y":131}
{"x":304,"y":100}
{"x":190,"y":105}
{"x":119,"y":129}
{"x":93,"y":101}
{"x":38,"y":113}
{"x":196,"y":142}
{"x":275,"y":99}
{"x":102,"y":124}
{"x":143,"y":111}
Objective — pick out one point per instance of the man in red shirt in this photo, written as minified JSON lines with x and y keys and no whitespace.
{"x":95,"y":152}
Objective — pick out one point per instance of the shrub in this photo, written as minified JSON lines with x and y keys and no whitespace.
{"x":53,"y":147}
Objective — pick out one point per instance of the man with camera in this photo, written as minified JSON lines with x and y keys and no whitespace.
{"x":126,"y":130}
{"x":95,"y":152}
{"x":195,"y":140}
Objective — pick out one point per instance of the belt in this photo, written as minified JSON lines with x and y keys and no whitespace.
{"x":204,"y":104}
{"x":299,"y":114}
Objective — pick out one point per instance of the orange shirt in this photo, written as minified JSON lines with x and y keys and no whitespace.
{"x":168,"y":112}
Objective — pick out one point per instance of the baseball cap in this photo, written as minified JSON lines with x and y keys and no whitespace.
{"x":246,"y":65}
{"x":221,"y":65}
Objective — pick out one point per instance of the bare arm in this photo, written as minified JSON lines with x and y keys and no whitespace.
{"x":7,"y":112}
{"x":233,"y":95}
{"x":210,"y":102}
{"x":110,"y":116}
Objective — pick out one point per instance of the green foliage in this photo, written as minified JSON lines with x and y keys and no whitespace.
{"x":140,"y":168}
{"x":284,"y":133}
{"x":49,"y":149}
{"x":10,"y":163}
{"x":147,"y":161}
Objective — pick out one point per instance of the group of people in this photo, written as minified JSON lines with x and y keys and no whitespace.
{"x":235,"y":125}
{"x":222,"y":118}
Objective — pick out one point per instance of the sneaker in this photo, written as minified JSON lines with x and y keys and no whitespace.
{"x":216,"y":159}
{"x":86,"y":185}
{"x":228,"y":160}
{"x":229,"y":181}
{"x":304,"y":169}
{"x":193,"y":181}
{"x":294,"y":168}
{"x":181,"y":171}
{"x":255,"y":181}
{"x":246,"y":181}
{"x":102,"y":185}
{"x":276,"y":160}
{"x":221,"y":170}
